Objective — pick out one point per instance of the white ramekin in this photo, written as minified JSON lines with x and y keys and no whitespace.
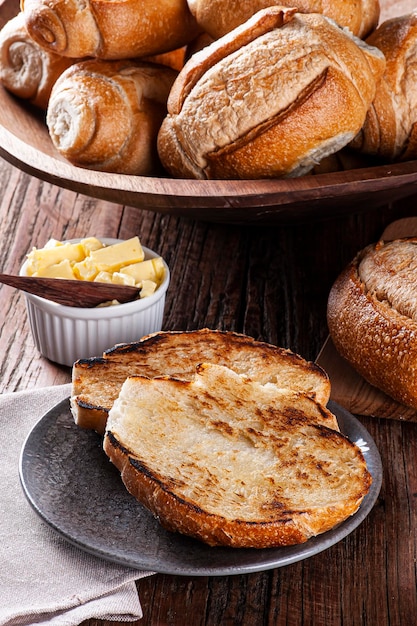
{"x":64,"y":334}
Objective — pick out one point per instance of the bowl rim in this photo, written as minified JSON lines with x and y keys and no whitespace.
{"x":107,"y":312}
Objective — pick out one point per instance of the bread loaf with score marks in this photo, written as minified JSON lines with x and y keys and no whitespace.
{"x":218,"y":17}
{"x":269,"y":99}
{"x":372,"y":317}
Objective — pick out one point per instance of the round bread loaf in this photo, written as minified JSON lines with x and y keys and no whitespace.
{"x":270,"y":99}
{"x":372,"y":317}
{"x":390,"y":128}
{"x":218,"y":17}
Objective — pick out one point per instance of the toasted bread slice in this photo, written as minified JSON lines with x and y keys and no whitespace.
{"x":96,"y":382}
{"x":231,"y":461}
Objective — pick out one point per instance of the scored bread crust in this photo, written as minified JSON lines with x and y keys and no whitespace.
{"x":96,"y":382}
{"x":232,"y":462}
{"x":372,"y":318}
{"x":390,"y":128}
{"x":218,"y":17}
{"x":281,"y":74}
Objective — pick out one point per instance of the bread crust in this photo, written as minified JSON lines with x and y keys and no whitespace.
{"x":372,"y":328}
{"x":96,"y":382}
{"x":81,"y":116}
{"x":281,"y":74}
{"x":119,"y":29}
{"x":218,"y":17}
{"x":391,"y":123}
{"x":27,"y":70}
{"x":231,"y":463}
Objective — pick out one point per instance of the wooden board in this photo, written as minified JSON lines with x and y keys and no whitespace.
{"x":349,"y":389}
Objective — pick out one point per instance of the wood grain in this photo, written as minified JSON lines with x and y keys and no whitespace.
{"x":349,"y":388}
{"x":272,"y":283}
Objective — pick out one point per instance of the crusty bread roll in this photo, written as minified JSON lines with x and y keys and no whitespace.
{"x":218,"y":17}
{"x":116,"y":29}
{"x":269,"y":99}
{"x":390,"y":128}
{"x":372,"y":317}
{"x":106,"y":114}
{"x":232,"y":462}
{"x":174,"y":58}
{"x":27,"y":70}
{"x":96,"y":382}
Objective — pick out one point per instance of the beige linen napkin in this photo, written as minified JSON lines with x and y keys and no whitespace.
{"x":43,"y":578}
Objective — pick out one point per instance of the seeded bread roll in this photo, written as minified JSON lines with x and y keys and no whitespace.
{"x":272,"y":98}
{"x":372,"y":317}
{"x":390,"y":129}
{"x":218,"y":17}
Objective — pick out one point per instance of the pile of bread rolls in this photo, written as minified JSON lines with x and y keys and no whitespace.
{"x":214,"y":89}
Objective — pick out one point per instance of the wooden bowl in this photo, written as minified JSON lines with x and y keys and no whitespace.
{"x":25,"y":142}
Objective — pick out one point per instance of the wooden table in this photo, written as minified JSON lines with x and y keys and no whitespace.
{"x":271,"y":283}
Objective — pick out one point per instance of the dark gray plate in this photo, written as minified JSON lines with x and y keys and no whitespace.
{"x":72,"y":485}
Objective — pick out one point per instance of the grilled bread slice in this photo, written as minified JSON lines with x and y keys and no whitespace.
{"x":96,"y":382}
{"x":231,"y":461}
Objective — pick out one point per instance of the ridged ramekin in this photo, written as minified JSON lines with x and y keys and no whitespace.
{"x":64,"y":334}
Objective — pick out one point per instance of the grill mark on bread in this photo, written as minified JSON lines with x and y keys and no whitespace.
{"x":222,"y":459}
{"x":97,"y":381}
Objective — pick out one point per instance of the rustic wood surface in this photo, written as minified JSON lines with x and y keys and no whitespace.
{"x":271,"y":283}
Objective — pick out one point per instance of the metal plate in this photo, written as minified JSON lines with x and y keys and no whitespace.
{"x":72,"y":485}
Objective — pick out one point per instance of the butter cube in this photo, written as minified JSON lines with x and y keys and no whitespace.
{"x":52,"y":243}
{"x":38,"y":260}
{"x":148,"y":288}
{"x":85,"y":269}
{"x":112,"y":258}
{"x":103,"y":277}
{"x":123,"y":279}
{"x":151,"y":269}
{"x":91,"y":243}
{"x":58,"y":270}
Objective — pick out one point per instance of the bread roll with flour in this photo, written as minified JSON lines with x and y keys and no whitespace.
{"x":390,"y":128}
{"x":269,"y":99}
{"x":116,"y":29}
{"x":27,"y":70}
{"x":372,"y":317}
{"x":106,"y":114}
{"x":218,"y":17}
{"x":232,"y":462}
